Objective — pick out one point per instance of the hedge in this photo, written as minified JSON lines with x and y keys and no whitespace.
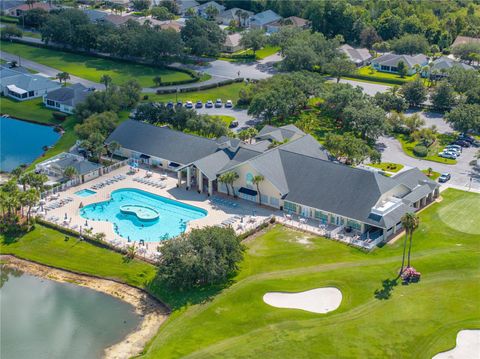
{"x":420,"y":151}
{"x":193,"y":74}
{"x":202,"y":87}
{"x":8,"y":19}
{"x":239,"y":56}
{"x":378,"y":79}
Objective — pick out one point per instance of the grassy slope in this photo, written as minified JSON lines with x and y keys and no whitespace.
{"x":92,"y":68}
{"x":228,"y":92}
{"x":416,"y":322}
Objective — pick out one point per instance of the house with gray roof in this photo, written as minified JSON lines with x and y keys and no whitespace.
{"x":291,"y":21}
{"x":262,"y":19}
{"x":359,"y":56}
{"x":95,"y":15}
{"x":229,"y":15}
{"x":66,"y":98}
{"x":298,"y":175}
{"x":184,"y":5}
{"x":201,"y":10}
{"x":439,"y":68}
{"x":23,"y":86}
{"x":389,"y":62}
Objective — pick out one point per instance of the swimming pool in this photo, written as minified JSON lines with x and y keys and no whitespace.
{"x":22,"y":142}
{"x":85,"y":192}
{"x":136,"y":215}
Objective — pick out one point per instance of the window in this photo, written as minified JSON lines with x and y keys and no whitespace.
{"x":57,"y":104}
{"x":385,"y":68}
{"x":264,"y":198}
{"x":323,"y":217}
{"x":274,"y":202}
{"x":31,"y":93}
{"x":354,"y":224}
{"x":50,"y":103}
{"x":290,"y":207}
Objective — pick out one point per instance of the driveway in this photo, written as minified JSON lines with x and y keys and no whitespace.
{"x":244,"y":119}
{"x":433,"y":119}
{"x":461,"y":172}
{"x":369,"y":88}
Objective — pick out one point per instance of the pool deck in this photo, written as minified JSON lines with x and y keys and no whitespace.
{"x":241,"y":216}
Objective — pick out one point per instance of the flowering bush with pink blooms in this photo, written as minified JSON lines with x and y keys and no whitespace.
{"x":411,"y":275}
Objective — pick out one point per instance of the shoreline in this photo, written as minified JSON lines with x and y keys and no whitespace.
{"x":8,"y":116}
{"x":152,"y":312}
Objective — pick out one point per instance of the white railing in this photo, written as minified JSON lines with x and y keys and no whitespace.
{"x":114,"y":166}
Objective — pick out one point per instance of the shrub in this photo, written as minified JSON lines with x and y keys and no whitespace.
{"x":59,"y":116}
{"x":420,"y":151}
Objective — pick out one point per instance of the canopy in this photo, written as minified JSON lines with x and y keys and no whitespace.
{"x":16,"y":89}
{"x":173,"y":164}
{"x":247,"y":191}
{"x":146,"y":157}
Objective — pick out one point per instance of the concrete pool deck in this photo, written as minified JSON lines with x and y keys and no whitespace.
{"x":216,"y":213}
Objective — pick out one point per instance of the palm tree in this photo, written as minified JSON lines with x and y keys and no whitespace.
{"x":410,"y":223}
{"x":415,"y":222}
{"x":256,"y":181}
{"x":238,"y":14}
{"x":229,"y":178}
{"x":158,"y":81}
{"x":70,"y":172}
{"x":106,"y":80}
{"x":244,"y":16}
{"x":63,"y":76}
{"x":224,"y":178}
{"x":113,"y":147}
{"x":32,"y":197}
{"x":131,"y":252}
{"x":212,"y":12}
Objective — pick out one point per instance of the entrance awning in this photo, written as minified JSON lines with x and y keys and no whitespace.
{"x":247,"y":191}
{"x":145,"y":157}
{"x":173,"y":164}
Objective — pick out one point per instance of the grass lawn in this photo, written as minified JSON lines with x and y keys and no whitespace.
{"x":227,"y":119}
{"x":227,"y":92}
{"x":237,"y":323}
{"x":433,"y":176}
{"x":92,"y":68}
{"x":259,"y":55}
{"x":368,"y":71}
{"x":387,"y":166}
{"x":408,"y":145}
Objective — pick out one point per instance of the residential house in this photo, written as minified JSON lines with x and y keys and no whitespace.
{"x":19,"y":10}
{"x":292,"y":21}
{"x":201,"y":10}
{"x":66,"y":98}
{"x":7,"y":5}
{"x":55,"y":167}
{"x":439,"y":67}
{"x":359,"y":56}
{"x":95,"y":15}
{"x":461,"y":40}
{"x":184,"y":5}
{"x":232,"y":42}
{"x":24,"y":86}
{"x":230,"y":15}
{"x":262,"y":19}
{"x":298,"y":176}
{"x":389,"y":62}
{"x":119,"y":20}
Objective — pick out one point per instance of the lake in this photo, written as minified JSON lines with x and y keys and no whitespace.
{"x":44,"y":319}
{"x":22,"y":142}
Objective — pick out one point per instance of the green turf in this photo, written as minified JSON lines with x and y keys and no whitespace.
{"x":226,"y":119}
{"x":92,"y":68}
{"x":434,"y":175}
{"x":417,"y":321}
{"x":453,"y":214}
{"x":387,"y":166}
{"x":227,"y":92}
{"x":408,"y":145}
{"x":368,"y":71}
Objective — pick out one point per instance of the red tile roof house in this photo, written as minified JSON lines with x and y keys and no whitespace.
{"x":19,"y":10}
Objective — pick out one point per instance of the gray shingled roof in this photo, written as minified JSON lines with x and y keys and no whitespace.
{"x":264,"y":17}
{"x":356,"y":55}
{"x":413,"y":178}
{"x":71,"y":95}
{"x":279,"y":133}
{"x":393,"y":60}
{"x":447,"y":63}
{"x":162,"y":142}
{"x":82,"y":167}
{"x":29,"y":82}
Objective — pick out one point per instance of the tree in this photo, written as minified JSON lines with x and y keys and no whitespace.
{"x":113,"y":147}
{"x":462,"y":80}
{"x":413,"y":123}
{"x":256,"y":181}
{"x":70,"y":172}
{"x":467,"y":51}
{"x":340,"y":66}
{"x":158,"y":80}
{"x":30,"y":199}
{"x":228,"y":178}
{"x":308,"y":122}
{"x":425,"y":136}
{"x":202,"y":257}
{"x":171,"y":5}
{"x":35,"y":18}
{"x":211,"y":12}
{"x":414,"y":92}
{"x":10,"y":31}
{"x":103,"y":123}
{"x":340,"y":97}
{"x":390,"y":102}
{"x":366,"y":119}
{"x":63,"y":76}
{"x":106,"y":80}
{"x":369,"y":36}
{"x":225,"y":179}
{"x":381,"y":46}
{"x":161,"y":13}
{"x":402,"y":69}
{"x":349,"y":149}
{"x":410,"y":222}
{"x":140,"y":5}
{"x":253,"y":39}
{"x":203,"y":37}
{"x":465,"y":118}
{"x":410,"y":44}
{"x":443,"y":96}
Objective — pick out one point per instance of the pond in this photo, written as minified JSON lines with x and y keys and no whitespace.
{"x":22,"y":142}
{"x":41,"y":318}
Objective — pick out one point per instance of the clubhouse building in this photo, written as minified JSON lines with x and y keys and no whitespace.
{"x":298,"y":174}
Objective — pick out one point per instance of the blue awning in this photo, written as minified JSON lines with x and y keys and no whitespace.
{"x":247,"y":191}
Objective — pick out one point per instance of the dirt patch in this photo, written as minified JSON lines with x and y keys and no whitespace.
{"x":153,"y":312}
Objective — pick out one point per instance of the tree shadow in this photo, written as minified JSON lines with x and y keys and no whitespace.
{"x":386,"y":291}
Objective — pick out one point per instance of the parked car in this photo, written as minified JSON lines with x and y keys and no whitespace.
{"x":233,"y":124}
{"x":218,"y":103}
{"x":466,"y":137}
{"x":199,"y":104}
{"x":447,"y":155}
{"x":170,"y":104}
{"x":209,"y":104}
{"x":462,"y":143}
{"x":457,"y":147}
{"x":188,"y":104}
{"x":454,"y":150}
{"x":451,"y":152}
{"x":229,"y":104}
{"x":179,"y":103}
{"x":444,"y":177}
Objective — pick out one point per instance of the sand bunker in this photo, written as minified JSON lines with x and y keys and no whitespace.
{"x":320,"y":300}
{"x":468,"y":346}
